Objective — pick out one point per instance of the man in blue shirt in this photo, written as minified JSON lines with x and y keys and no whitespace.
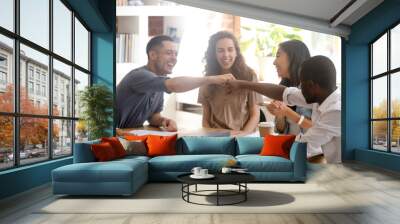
{"x":140,"y":94}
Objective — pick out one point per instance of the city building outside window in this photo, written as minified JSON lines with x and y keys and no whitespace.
{"x":54,"y":129}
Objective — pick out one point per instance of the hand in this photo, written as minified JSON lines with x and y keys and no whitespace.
{"x":278,"y":108}
{"x":169,"y":125}
{"x":238,"y":133}
{"x":221,"y":79}
{"x":232,"y":85}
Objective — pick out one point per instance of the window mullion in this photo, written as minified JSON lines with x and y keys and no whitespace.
{"x":16,"y":84}
{"x":73,"y":82}
{"x":50,"y":81}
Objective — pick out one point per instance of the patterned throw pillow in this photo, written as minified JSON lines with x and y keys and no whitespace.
{"x":134,"y":147}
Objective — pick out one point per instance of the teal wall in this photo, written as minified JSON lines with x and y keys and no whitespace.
{"x":103,"y":56}
{"x":356,"y":85}
{"x":99,"y":16}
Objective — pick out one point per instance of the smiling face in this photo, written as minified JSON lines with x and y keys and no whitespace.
{"x":164,"y":57}
{"x":281,"y":63}
{"x":226,"y":54}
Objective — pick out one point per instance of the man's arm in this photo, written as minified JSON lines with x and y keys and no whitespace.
{"x":324,"y":130}
{"x":184,"y":83}
{"x":267,"y":89}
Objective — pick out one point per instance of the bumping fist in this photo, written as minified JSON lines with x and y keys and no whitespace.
{"x":221,"y":79}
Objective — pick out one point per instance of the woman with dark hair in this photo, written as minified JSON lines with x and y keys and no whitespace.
{"x":236,"y":110}
{"x":289,"y":58}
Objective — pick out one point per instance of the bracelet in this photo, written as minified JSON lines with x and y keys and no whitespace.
{"x":300,"y":120}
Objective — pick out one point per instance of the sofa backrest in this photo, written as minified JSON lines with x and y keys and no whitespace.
{"x":194,"y":145}
{"x":83,"y":152}
{"x":249,"y":145}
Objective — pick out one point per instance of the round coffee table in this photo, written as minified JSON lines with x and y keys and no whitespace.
{"x":238,"y":179}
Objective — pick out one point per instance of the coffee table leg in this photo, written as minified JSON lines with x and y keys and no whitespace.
{"x":245,"y":191}
{"x":196,"y":188}
{"x":217,"y":194}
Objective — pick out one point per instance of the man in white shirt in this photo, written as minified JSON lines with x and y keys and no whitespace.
{"x":318,"y":92}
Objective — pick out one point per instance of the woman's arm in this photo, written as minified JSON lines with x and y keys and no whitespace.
{"x":206,"y":115}
{"x":253,"y":120}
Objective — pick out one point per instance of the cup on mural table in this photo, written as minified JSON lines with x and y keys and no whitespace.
{"x":266,"y":128}
{"x":203,"y":172}
{"x":226,"y":170}
{"x":196,"y":171}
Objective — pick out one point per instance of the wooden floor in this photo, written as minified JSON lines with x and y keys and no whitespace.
{"x":379,"y":189}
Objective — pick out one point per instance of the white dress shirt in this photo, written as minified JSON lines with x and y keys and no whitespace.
{"x":325,"y":134}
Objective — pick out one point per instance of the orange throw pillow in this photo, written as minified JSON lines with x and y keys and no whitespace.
{"x":136,"y":137}
{"x":116,"y":145}
{"x":161,"y":145}
{"x":103,"y":152}
{"x":277,"y":145}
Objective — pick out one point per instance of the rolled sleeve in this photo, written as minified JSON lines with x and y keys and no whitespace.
{"x":292,"y":96}
{"x":322,"y":131}
{"x":146,"y":82}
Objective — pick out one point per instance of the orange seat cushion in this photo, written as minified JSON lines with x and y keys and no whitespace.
{"x":277,"y":145}
{"x":116,"y":145}
{"x":103,"y":152}
{"x":161,"y":145}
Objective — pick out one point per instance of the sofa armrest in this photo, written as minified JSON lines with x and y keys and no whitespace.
{"x":298,"y":155}
{"x":83,"y":152}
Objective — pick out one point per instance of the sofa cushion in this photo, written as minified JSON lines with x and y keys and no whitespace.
{"x":185,"y":163}
{"x":195,"y":145}
{"x":112,"y":171}
{"x":257,"y":163}
{"x":249,"y":145}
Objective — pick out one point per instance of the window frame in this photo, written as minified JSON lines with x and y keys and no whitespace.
{"x":388,"y":74}
{"x":16,"y":114}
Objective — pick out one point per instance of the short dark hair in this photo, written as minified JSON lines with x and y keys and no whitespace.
{"x":156,"y":42}
{"x":320,"y":70}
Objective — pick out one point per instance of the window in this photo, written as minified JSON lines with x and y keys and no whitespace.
{"x":45,"y":131}
{"x":81,"y":45}
{"x":30,"y":73}
{"x":30,"y":87}
{"x":7,"y":14}
{"x":3,"y":71}
{"x":44,"y":91}
{"x":38,"y":89}
{"x":385,"y":96}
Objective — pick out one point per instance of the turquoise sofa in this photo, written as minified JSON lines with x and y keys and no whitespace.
{"x":125,"y":176}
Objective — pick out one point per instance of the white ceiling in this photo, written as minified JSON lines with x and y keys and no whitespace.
{"x":315,"y":15}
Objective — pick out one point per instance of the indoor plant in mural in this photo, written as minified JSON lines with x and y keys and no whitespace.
{"x":96,"y":102}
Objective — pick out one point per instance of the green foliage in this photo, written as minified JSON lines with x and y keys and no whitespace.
{"x":267,"y":38}
{"x":96,"y":102}
{"x":380,"y":111}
